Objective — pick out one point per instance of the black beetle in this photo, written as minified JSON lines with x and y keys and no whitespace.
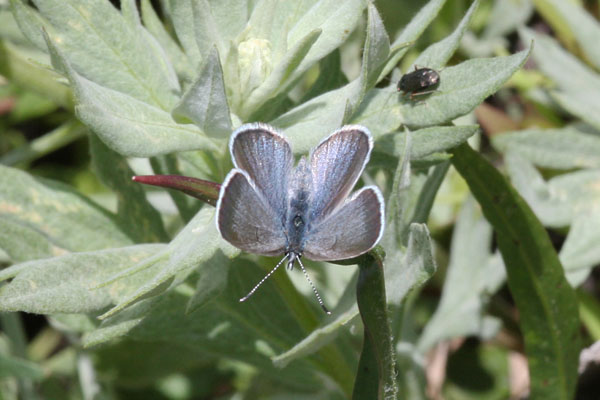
{"x":419,"y":82}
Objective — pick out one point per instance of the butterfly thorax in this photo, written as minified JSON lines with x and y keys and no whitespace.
{"x":297,"y":212}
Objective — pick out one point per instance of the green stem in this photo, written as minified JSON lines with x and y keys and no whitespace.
{"x":51,"y":141}
{"x":376,"y":375}
{"x":13,"y":327}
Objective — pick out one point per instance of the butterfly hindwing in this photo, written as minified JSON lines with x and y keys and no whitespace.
{"x":353,"y":229}
{"x":246,"y":220}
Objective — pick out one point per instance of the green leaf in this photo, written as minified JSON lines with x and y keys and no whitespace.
{"x":163,"y":319}
{"x":62,"y":284}
{"x":330,"y":77}
{"x":30,"y":22}
{"x":506,"y":16}
{"x":377,"y":49}
{"x":178,"y":58}
{"x":429,"y":192}
{"x":553,"y":208}
{"x":379,"y":111}
{"x":438,"y":54}
{"x":335,"y":22}
{"x":546,"y":302}
{"x":202,"y":25}
{"x":577,"y":83}
{"x":563,"y":200}
{"x":139,"y":219}
{"x":383,"y":110}
{"x":269,"y":323}
{"x":18,"y":65}
{"x":19,"y":368}
{"x":211,"y":282}
{"x":22,"y":243}
{"x":336,"y":19}
{"x":584,"y":27}
{"x":461,"y":89}
{"x":282,"y":73}
{"x":142,"y":364}
{"x":130,"y":12}
{"x":102,"y":46}
{"x":427,"y":141}
{"x":589,"y":312}
{"x":580,"y":253}
{"x":408,"y":271}
{"x":206,"y":31}
{"x":376,"y":375}
{"x":473,"y":275}
{"x":129,"y":126}
{"x":182,"y":16}
{"x":403,"y":188}
{"x":312,"y":120}
{"x":564,"y":148}
{"x":345,"y":312}
{"x":205,"y":102}
{"x":230,"y":17}
{"x":193,"y":247}
{"x":45,"y":208}
{"x":411,"y":33}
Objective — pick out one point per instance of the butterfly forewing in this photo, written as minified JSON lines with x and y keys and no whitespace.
{"x":267,"y":158}
{"x":351,"y":230}
{"x":245,"y":218}
{"x":336,"y":164}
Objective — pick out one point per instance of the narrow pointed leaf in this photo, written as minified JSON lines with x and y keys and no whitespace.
{"x":344,"y":314}
{"x":437,"y":55}
{"x":547,"y":304}
{"x":155,"y":26}
{"x":461,"y":89}
{"x":182,"y":15}
{"x":102,"y":46}
{"x":576,"y":88}
{"x":205,"y":102}
{"x":336,"y":19}
{"x":428,"y":141}
{"x":564,"y":148}
{"x":128,"y":126}
{"x":62,"y":284}
{"x":411,"y":33}
{"x":409,"y":271}
{"x":580,"y":252}
{"x":471,"y":278}
{"x":377,"y":50}
{"x":193,"y":246}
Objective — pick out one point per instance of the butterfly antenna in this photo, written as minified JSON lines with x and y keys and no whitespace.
{"x":313,"y":287}
{"x":264,"y":279}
